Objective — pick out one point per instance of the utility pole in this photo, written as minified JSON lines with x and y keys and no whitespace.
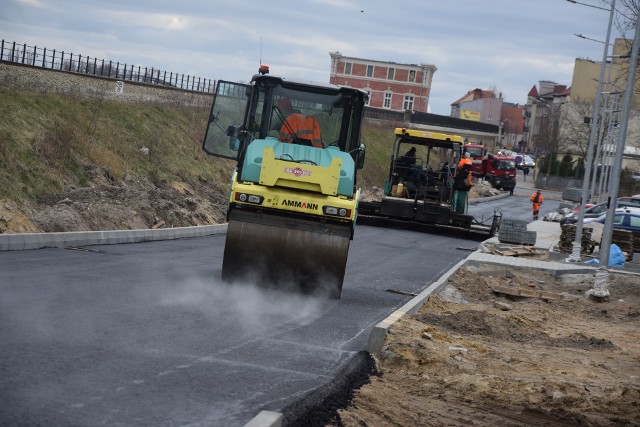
{"x":577,"y":244}
{"x":614,"y":183}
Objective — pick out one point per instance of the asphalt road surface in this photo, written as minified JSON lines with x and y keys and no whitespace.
{"x":145,"y":334}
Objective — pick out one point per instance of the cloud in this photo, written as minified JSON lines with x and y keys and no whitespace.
{"x":34,"y":3}
{"x":509,"y":44}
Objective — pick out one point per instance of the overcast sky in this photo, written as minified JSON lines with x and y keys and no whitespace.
{"x":505,"y":44}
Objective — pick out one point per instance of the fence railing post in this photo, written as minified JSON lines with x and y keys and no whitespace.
{"x":151,"y":75}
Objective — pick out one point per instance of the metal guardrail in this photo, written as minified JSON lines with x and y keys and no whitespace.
{"x":74,"y":63}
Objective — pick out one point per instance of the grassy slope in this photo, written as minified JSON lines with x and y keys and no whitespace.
{"x":47,"y":140}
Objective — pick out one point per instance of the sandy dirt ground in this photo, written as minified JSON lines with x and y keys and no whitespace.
{"x":474,"y":357}
{"x":112,"y":204}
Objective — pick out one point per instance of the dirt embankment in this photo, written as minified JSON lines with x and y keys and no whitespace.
{"x":112,"y":204}
{"x":475,"y":357}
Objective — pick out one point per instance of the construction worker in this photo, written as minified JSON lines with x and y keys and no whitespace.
{"x":409,"y":157}
{"x":462,"y":184}
{"x":536,"y":199}
{"x":304,"y":127}
{"x":465,"y":160}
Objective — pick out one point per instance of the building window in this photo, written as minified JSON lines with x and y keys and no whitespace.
{"x":368,"y":97}
{"x":391,"y":72}
{"x":347,"y":67}
{"x":412,"y":76}
{"x":369,"y":70}
{"x":387,"y":100}
{"x":408,"y":102}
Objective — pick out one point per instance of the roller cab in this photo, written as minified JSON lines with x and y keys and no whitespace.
{"x":293,"y":196}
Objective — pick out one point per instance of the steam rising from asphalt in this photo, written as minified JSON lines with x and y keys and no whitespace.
{"x":247,"y":305}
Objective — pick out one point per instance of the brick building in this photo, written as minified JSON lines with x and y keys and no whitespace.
{"x":390,"y":85}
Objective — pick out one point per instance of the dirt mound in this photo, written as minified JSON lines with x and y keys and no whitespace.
{"x":487,"y":358}
{"x":482,"y":189}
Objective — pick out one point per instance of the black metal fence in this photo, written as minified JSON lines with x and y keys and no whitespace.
{"x":70,"y":62}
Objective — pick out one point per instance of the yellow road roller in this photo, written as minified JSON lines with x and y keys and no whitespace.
{"x":293,"y":197}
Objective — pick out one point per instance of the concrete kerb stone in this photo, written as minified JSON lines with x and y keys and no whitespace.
{"x":29,"y":241}
{"x":487,"y":199}
{"x":266,"y":419}
{"x":376,"y":337}
{"x":479,"y":259}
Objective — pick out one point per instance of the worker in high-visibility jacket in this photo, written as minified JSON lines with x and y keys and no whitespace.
{"x":298,"y":127}
{"x":536,"y":200}
{"x":462,"y":184}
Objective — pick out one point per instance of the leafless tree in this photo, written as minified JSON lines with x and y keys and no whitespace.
{"x":576,"y":126}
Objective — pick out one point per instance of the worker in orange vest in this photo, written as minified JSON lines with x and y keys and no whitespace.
{"x":298,"y":126}
{"x":536,"y":199}
{"x":465,"y":160}
{"x":462,"y":184}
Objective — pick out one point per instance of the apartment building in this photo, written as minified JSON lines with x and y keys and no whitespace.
{"x":586,"y":72}
{"x":479,"y":105}
{"x":542,"y":117}
{"x":391,"y":85}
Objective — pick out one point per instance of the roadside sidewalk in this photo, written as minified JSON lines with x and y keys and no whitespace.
{"x":526,"y":188}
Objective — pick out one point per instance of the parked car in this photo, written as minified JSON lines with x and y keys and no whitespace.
{"x":625,"y":218}
{"x":528,"y":161}
{"x":635,"y":176}
{"x":594,"y":212}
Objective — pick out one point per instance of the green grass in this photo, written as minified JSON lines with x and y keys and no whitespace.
{"x":48,"y":142}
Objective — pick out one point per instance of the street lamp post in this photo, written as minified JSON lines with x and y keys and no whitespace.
{"x":614,"y":184}
{"x":577,"y":244}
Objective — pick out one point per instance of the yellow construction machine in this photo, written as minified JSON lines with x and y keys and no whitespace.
{"x":293,"y":197}
{"x":419,"y":189}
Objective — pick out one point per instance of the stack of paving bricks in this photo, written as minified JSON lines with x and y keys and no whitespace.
{"x":515,"y":231}
{"x":624,"y":240}
{"x":568,"y":236}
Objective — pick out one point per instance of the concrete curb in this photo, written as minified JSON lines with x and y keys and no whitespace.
{"x":28,"y":241}
{"x":376,"y":337}
{"x":487,"y":199}
{"x":266,"y":419}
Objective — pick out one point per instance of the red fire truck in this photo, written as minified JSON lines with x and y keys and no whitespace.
{"x":498,"y":170}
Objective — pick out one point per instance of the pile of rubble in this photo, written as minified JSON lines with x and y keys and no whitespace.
{"x":483,"y":189}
